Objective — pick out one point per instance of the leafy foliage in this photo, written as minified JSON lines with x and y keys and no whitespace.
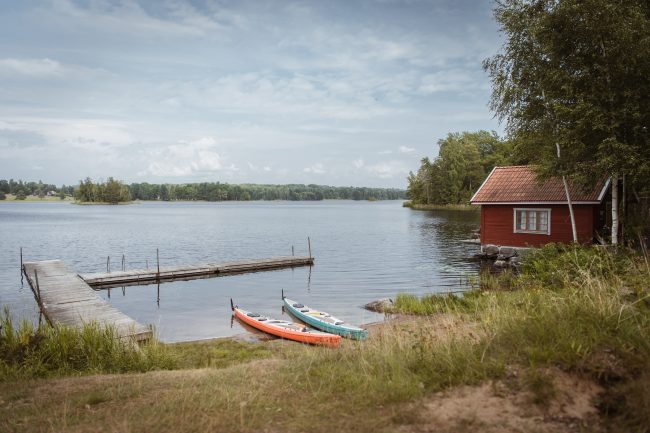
{"x":464,"y":160}
{"x":112,"y":191}
{"x":576,"y":73}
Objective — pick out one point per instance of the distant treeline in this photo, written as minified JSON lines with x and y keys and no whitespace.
{"x":232,"y":192}
{"x":464,"y":160}
{"x":22,"y":189}
{"x":114,"y":191}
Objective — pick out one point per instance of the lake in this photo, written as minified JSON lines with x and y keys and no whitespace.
{"x":363,"y":251}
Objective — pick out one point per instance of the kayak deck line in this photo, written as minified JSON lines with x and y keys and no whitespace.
{"x":191,"y":272}
{"x":285,"y":329}
{"x":322,"y":320}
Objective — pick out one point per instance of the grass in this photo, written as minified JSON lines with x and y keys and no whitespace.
{"x":29,"y":352}
{"x":34,"y":198}
{"x":586,"y":312}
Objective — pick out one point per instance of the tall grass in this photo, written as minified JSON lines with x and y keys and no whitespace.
{"x":29,"y":351}
{"x":585,"y":310}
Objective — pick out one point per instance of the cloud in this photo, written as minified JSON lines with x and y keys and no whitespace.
{"x":388,"y":169}
{"x":358,"y":163}
{"x":188,"y":158}
{"x":31,"y":67}
{"x":317,"y":168}
{"x":405,"y":149}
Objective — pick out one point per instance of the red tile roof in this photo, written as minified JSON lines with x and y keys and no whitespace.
{"x":519,"y":184}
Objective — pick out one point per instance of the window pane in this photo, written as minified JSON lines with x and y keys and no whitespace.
{"x":532,"y":220}
{"x":543,"y":221}
{"x":521,"y":220}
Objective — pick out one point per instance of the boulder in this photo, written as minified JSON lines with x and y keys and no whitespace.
{"x":507,"y":252}
{"x":491,"y":250}
{"x":379,"y":306}
{"x":500,"y":264}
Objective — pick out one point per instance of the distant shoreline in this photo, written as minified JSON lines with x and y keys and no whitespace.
{"x":70,"y":200}
{"x":467,"y":207}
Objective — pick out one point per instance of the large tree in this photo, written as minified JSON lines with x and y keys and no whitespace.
{"x":576,"y":74}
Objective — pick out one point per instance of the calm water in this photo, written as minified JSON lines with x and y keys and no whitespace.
{"x":364,"y":251}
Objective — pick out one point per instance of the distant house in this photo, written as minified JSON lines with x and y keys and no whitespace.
{"x":518,"y":210}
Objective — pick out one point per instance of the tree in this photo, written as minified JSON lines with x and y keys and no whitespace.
{"x":2,"y":195}
{"x":463,"y":161}
{"x":576,"y":74}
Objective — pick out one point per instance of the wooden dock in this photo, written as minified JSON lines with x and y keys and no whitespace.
{"x":64,"y":298}
{"x":208,"y":270}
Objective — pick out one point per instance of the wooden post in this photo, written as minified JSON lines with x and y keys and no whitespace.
{"x":38,"y":288}
{"x":108,"y":263}
{"x":309,"y":246}
{"x":292,"y":252}
{"x":21,"y":259}
{"x":158,"y":261}
{"x":123,"y":263}
{"x":158,"y":296}
{"x":147,"y":262}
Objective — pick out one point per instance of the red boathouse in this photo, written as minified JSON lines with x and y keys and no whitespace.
{"x":519,"y":210}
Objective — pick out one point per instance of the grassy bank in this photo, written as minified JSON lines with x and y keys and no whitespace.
{"x":575,"y":327}
{"x":34,"y":198}
{"x":416,"y":206}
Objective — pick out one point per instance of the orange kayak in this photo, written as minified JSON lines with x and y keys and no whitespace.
{"x":286,"y":329}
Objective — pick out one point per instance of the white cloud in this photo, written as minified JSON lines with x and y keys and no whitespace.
{"x":405,"y":149}
{"x":317,"y":168}
{"x":31,"y":67}
{"x":188,"y":158}
{"x":358,"y":163}
{"x":388,"y":169}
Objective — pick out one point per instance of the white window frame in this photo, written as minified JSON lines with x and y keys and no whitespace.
{"x":516,"y":229}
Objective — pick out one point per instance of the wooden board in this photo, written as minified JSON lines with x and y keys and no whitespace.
{"x":147,"y":276}
{"x":66,"y":299}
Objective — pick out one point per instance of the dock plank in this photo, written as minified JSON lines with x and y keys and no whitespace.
{"x":144,"y":276}
{"x":66,"y":299}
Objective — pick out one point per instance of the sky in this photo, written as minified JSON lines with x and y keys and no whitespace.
{"x":326,"y":92}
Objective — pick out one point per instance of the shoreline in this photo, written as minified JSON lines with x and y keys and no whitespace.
{"x":464,"y":207}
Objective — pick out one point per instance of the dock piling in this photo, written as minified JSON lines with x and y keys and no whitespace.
{"x":309,"y":246}
{"x":123,"y":264}
{"x":292,"y":252}
{"x":21,"y":259}
{"x":108,"y":263}
{"x":158,"y":260}
{"x":38,"y":287}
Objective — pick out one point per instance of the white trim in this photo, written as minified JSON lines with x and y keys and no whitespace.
{"x":601,"y":196}
{"x":532,"y":202}
{"x":480,"y":187}
{"x":531,"y":232}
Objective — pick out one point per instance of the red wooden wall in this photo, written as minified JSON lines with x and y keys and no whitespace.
{"x":497,"y":226}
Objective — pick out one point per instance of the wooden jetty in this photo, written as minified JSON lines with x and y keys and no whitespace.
{"x":64,"y":298}
{"x":208,"y":270}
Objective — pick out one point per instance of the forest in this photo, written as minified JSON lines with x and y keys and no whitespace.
{"x":115,"y":191}
{"x":464,"y":160}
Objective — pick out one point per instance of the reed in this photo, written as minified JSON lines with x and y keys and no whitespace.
{"x":38,"y":351}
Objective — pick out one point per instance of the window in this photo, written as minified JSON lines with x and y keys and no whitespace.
{"x":532,"y":221}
